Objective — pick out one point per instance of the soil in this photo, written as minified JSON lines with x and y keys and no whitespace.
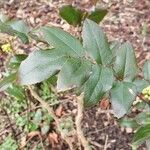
{"x":123,"y":22}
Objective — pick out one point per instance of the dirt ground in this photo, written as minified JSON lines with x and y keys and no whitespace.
{"x":124,"y":21}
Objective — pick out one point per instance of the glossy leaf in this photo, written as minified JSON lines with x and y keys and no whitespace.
{"x":7,"y":81}
{"x":146,"y":70}
{"x":96,"y":43}
{"x":122,"y":96}
{"x":73,"y":74}
{"x":40,"y":65}
{"x":142,"y":134}
{"x":72,"y":15}
{"x":98,"y":15}
{"x":60,"y":39}
{"x":125,"y":65}
{"x":99,"y":82}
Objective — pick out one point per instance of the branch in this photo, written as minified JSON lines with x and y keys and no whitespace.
{"x":51,"y":112}
{"x":78,"y":121}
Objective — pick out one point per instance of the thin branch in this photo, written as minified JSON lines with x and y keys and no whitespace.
{"x":78,"y":121}
{"x":106,"y":141}
{"x":51,"y":112}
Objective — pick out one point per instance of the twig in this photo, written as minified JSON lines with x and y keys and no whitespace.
{"x":78,"y":121}
{"x":11,"y":125}
{"x":106,"y":141}
{"x":96,"y":144}
{"x":51,"y":112}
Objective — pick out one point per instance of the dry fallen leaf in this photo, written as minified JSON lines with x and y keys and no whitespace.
{"x":23,"y":142}
{"x":59,"y":111}
{"x":53,"y":138}
{"x":33,"y":133}
{"x":104,"y":104}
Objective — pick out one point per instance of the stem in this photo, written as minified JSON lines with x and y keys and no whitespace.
{"x":78,"y":121}
{"x":51,"y":112}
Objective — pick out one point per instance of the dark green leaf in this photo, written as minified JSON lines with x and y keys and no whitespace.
{"x":122,"y":96}
{"x":5,"y":83}
{"x":125,"y":65}
{"x":96,"y":43}
{"x":99,"y":82}
{"x":40,"y":65}
{"x":146,"y":70}
{"x":72,"y":15}
{"x":60,"y":39}
{"x":142,"y":134}
{"x":98,"y":15}
{"x":73,"y":74}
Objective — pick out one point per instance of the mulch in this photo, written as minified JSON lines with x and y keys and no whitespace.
{"x":124,"y":22}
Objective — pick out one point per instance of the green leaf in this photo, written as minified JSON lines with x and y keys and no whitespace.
{"x":73,"y":74}
{"x":99,"y":82}
{"x":122,"y":96}
{"x":60,"y":39}
{"x":7,"y":81}
{"x":45,"y":128}
{"x":19,"y":25}
{"x":146,"y":70}
{"x":72,"y":15}
{"x":98,"y":15}
{"x":38,"y":117}
{"x":128,"y":123}
{"x":143,"y":118}
{"x":140,"y":84}
{"x":148,"y":144}
{"x":125,"y":65}
{"x":40,"y":65}
{"x":3,"y":18}
{"x":142,"y":134}
{"x":16,"y":91}
{"x":6,"y":28}
{"x":96,"y":43}
{"x":16,"y":60}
